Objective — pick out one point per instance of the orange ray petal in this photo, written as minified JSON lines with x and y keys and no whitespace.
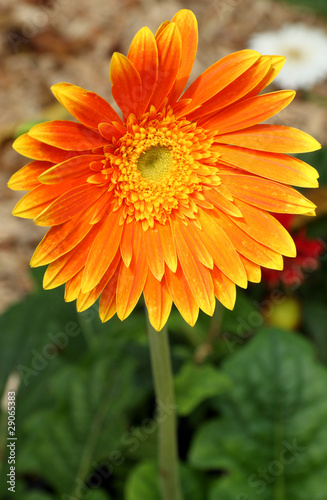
{"x":225,"y":289}
{"x":126,"y":85}
{"x":217,"y":77}
{"x":235,"y":90}
{"x":126,"y":247}
{"x":167,"y":245}
{"x":220,"y":201}
{"x":153,"y":252}
{"x":69,"y":169}
{"x":69,"y":205}
{"x":182,"y":295}
{"x":65,"y":268}
{"x":158,"y":301}
{"x":111,"y":130}
{"x":265,"y":229}
{"x":253,"y":271}
{"x":59,"y":240}
{"x":169,"y":46}
{"x":87,"y":107}
{"x":32,"y":148}
{"x":131,"y":279}
{"x":34,"y":202}
{"x":197,"y":275}
{"x":143,"y":54}
{"x":248,"y":112}
{"x":219,"y":245}
{"x":67,"y":135}
{"x":277,"y":63}
{"x":273,"y":138}
{"x":27,"y":177}
{"x":275,"y":166}
{"x":86,"y":300}
{"x":73,"y":287}
{"x":266,"y":194}
{"x":102,"y":207}
{"x":107,"y":307}
{"x":246,"y":245}
{"x":103,"y":251}
{"x":190,"y":234}
{"x":187,"y":26}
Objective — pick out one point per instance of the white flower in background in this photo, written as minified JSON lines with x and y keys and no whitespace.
{"x":305,"y":49}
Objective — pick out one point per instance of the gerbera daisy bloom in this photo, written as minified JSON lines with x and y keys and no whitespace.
{"x":305,"y":49}
{"x":173,"y":198}
{"x":307,"y":260}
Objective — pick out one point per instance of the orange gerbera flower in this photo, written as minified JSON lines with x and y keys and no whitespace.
{"x":172,"y":199}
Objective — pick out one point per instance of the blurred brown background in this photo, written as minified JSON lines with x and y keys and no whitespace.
{"x":43,"y":42}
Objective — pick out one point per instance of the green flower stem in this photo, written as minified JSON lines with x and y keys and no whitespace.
{"x":166,"y":414}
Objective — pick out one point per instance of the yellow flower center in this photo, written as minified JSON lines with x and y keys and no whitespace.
{"x":161,"y":165}
{"x":155,"y":162}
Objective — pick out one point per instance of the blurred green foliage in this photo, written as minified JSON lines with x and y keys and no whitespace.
{"x":313,"y":5}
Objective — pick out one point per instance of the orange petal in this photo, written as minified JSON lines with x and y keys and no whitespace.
{"x":73,"y":287}
{"x":126,"y":85}
{"x":277,"y":63}
{"x":65,"y":268}
{"x":219,"y":245}
{"x":69,"y":205}
{"x":87,"y":107}
{"x":182,"y":295}
{"x":34,"y":202}
{"x":266,"y":194}
{"x":158,"y":301}
{"x":67,"y":135}
{"x":248,"y":112}
{"x":86,"y":300}
{"x":143,"y":54}
{"x":197,"y":275}
{"x":275,"y":166}
{"x":235,"y":90}
{"x":131,"y":279}
{"x":32,"y":148}
{"x":169,"y":46}
{"x":218,"y":76}
{"x":190,"y":235}
{"x":225,"y":289}
{"x":111,"y":130}
{"x":265,"y":229}
{"x":126,"y":247}
{"x":253,"y":271}
{"x":103,"y":251}
{"x":154,"y":253}
{"x":27,"y":177}
{"x":167,"y":245}
{"x":273,"y":138}
{"x":107,"y":307}
{"x":220,"y":201}
{"x":187,"y":26}
{"x":247,"y":246}
{"x":59,"y":240}
{"x":69,"y":169}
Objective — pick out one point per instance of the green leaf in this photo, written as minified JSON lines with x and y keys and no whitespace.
{"x":272,"y":437}
{"x":194,"y":384}
{"x":315,"y":321}
{"x":83,"y":428}
{"x":143,"y":483}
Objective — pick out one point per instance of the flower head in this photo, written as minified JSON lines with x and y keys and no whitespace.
{"x":305,"y":50}
{"x":173,"y":198}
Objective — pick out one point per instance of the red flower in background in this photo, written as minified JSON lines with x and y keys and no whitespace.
{"x":309,"y":251}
